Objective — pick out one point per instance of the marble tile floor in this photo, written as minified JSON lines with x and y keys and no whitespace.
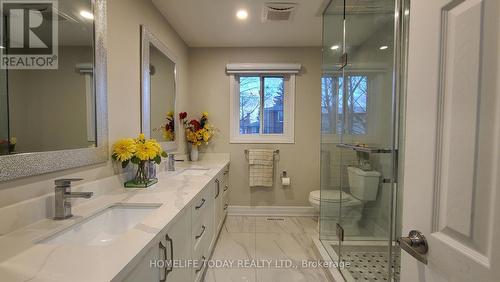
{"x":270,"y":243}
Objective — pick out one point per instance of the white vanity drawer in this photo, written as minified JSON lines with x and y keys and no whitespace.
{"x":201,"y":203}
{"x":202,"y":233}
{"x":202,"y":220}
{"x":202,"y":253}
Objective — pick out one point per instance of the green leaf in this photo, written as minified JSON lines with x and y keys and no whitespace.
{"x":125,"y":163}
{"x":157,"y":159}
{"x":164,"y":154}
{"x":135,"y":160}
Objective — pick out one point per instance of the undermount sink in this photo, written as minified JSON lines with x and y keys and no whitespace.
{"x":194,"y":171}
{"x":103,"y":227}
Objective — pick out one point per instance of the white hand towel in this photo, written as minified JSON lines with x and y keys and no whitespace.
{"x":261,"y":163}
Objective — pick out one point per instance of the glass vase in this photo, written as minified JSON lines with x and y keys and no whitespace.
{"x":140,"y":176}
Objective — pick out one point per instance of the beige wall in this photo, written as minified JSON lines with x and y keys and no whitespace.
{"x":124,"y":19}
{"x":209,"y":91}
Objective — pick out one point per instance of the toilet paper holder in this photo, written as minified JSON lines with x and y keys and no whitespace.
{"x":285,"y":180}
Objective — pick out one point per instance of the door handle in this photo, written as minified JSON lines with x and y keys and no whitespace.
{"x":416,"y":245}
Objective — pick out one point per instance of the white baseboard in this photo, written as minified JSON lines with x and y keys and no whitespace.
{"x":272,"y":211}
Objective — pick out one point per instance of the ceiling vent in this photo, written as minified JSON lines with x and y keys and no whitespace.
{"x":278,"y":11}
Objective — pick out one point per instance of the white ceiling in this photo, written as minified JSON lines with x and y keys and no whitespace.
{"x":212,"y":23}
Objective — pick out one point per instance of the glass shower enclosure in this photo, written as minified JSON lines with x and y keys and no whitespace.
{"x":363,"y":76}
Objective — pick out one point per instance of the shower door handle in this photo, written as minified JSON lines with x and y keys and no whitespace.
{"x":416,"y":245}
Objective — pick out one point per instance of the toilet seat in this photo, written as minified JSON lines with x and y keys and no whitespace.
{"x":336,"y":203}
{"x":331,"y":196}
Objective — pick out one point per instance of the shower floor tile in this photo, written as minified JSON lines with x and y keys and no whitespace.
{"x":368,"y":265}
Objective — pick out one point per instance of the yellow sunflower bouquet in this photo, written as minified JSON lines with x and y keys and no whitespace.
{"x":139,"y":151}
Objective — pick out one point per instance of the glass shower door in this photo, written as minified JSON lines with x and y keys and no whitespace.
{"x":359,"y":113}
{"x":368,"y":155}
{"x":331,"y":126}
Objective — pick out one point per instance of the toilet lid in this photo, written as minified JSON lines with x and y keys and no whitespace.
{"x":332,"y":196}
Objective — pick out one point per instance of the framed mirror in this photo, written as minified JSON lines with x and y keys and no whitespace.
{"x":159,"y":86}
{"x":54,"y":116}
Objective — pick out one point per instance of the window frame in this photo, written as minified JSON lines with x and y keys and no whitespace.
{"x":288,"y":136}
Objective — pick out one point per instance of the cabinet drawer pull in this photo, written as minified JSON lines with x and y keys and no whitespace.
{"x":202,"y":264}
{"x":201,"y":234}
{"x":218,"y":188}
{"x":200,"y":205}
{"x":164,"y":250}
{"x":171,"y":267}
{"x":225,"y":188}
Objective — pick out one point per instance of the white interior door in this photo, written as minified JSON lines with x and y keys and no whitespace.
{"x":452,"y":146}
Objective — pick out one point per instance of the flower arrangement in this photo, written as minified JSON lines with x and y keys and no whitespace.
{"x":198,"y":132}
{"x":9,"y":144}
{"x":12,"y":144}
{"x":138,"y":151}
{"x":168,"y":129}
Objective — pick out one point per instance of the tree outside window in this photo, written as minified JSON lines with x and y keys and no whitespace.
{"x":333,"y":102}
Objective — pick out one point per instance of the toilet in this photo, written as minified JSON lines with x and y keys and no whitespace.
{"x":363,"y":187}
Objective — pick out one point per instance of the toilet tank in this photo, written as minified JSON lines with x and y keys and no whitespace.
{"x":363,"y":184}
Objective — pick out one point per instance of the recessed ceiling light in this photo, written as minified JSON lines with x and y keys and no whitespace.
{"x":383,"y":47}
{"x":334,"y":47}
{"x":242,"y":14}
{"x":87,"y":14}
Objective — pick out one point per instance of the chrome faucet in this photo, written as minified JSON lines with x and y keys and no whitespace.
{"x":62,"y":194}
{"x":171,"y":162}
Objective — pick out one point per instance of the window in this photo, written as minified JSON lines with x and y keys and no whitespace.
{"x":333,"y":100}
{"x":252,"y":104}
{"x":262,"y":106}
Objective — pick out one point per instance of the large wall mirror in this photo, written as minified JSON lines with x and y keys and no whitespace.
{"x":159,"y":80}
{"x":54,"y":118}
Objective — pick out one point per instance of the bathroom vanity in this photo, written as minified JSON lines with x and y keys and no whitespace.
{"x":161,"y":233}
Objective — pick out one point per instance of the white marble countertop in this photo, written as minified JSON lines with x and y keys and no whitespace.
{"x":23,"y":259}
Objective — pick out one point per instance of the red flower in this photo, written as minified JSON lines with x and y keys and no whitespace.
{"x":182,"y":115}
{"x":196,"y":124}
